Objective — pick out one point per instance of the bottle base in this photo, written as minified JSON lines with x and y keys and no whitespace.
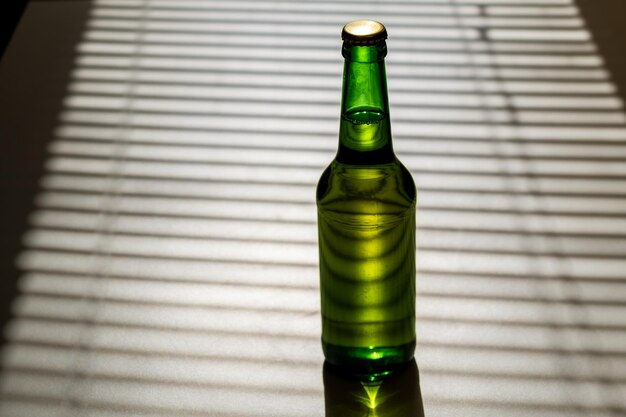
{"x":369,"y":362}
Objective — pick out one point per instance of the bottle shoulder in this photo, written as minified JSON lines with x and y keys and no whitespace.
{"x":390,"y":184}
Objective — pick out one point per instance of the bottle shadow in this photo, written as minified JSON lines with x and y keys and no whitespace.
{"x":395,"y":395}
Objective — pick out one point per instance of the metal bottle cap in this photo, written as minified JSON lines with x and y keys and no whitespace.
{"x":363,"y":32}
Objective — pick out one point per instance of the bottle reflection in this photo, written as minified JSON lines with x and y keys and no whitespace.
{"x":395,"y":395}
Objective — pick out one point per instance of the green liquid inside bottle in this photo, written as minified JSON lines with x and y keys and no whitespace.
{"x":366,"y":203}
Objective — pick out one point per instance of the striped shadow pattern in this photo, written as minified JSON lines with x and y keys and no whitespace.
{"x":171,"y":264}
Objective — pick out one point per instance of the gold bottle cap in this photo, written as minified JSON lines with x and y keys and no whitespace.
{"x":364,"y":32}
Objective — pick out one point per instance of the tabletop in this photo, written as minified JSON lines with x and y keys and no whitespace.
{"x":167,"y":263}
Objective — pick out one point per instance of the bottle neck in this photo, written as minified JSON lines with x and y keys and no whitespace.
{"x":365,"y":129}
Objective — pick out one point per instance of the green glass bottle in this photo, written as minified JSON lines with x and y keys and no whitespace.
{"x":366,"y":203}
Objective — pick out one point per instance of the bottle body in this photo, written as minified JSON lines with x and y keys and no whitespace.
{"x":366,"y":225}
